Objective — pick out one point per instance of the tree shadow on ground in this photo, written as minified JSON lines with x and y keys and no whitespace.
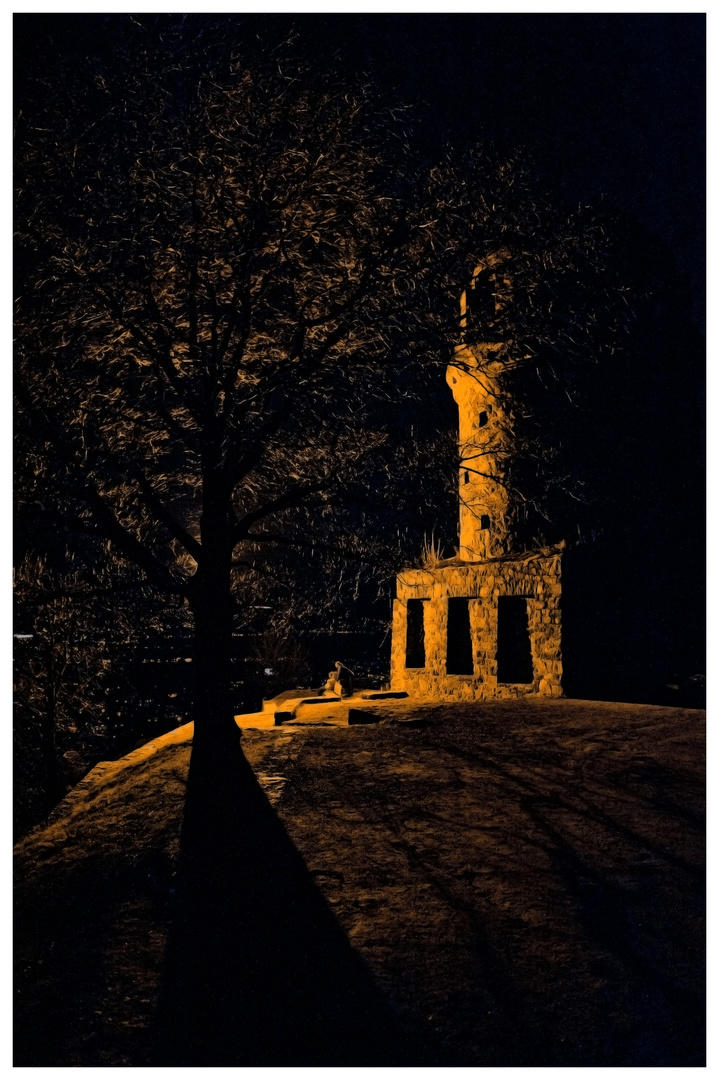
{"x":625,"y":924}
{"x":630,"y":992}
{"x":258,"y":971}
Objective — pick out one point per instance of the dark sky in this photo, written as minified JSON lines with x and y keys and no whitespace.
{"x":612,"y":105}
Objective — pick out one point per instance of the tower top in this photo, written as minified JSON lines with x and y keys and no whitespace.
{"x":483,"y":302}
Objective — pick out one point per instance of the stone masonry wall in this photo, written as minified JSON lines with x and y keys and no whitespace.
{"x":536,"y":576}
{"x":483,"y":448}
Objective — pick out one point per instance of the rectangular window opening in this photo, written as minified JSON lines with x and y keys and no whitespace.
{"x":514,"y":649}
{"x":481,"y":306}
{"x":414,"y":657}
{"x":459,"y":637}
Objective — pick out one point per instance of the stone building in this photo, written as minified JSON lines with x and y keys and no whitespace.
{"x":486,"y":623}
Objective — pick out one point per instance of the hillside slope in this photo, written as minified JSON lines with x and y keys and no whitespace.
{"x":525,"y":880}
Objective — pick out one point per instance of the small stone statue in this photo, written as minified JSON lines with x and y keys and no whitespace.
{"x":330,"y":686}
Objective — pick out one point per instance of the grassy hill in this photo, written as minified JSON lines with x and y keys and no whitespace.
{"x":523,"y":879}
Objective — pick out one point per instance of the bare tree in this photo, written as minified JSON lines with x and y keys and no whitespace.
{"x":229,"y":275}
{"x":215,"y":268}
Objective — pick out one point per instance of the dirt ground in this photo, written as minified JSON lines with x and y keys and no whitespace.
{"x":525,"y":879}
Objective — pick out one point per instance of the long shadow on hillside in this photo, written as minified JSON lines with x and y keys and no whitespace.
{"x":625,"y":924}
{"x":258,"y":970}
{"x":633,"y":995}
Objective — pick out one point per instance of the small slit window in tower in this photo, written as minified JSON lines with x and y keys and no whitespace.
{"x":484,"y":521}
{"x":466,"y":476}
{"x":514,"y":649}
{"x":459,"y":637}
{"x":483,"y":418}
{"x":414,"y":657}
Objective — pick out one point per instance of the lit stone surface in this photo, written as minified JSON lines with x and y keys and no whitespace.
{"x":483,"y":498}
{"x":486,"y":624}
{"x":535,"y":576}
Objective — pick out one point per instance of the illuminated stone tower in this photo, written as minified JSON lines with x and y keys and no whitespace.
{"x":483,"y":437}
{"x":483,"y":498}
{"x":487,"y":622}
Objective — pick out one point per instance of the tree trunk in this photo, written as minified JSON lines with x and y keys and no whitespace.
{"x":216,"y":752}
{"x":212,"y":712}
{"x":257,"y":970}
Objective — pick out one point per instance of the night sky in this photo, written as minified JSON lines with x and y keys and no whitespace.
{"x":612,"y":105}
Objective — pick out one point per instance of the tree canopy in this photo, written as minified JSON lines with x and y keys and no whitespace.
{"x":234,"y":274}
{"x":217,"y":277}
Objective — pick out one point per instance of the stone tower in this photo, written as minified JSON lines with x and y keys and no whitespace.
{"x":483,"y":437}
{"x":486,"y":623}
{"x":483,"y":498}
